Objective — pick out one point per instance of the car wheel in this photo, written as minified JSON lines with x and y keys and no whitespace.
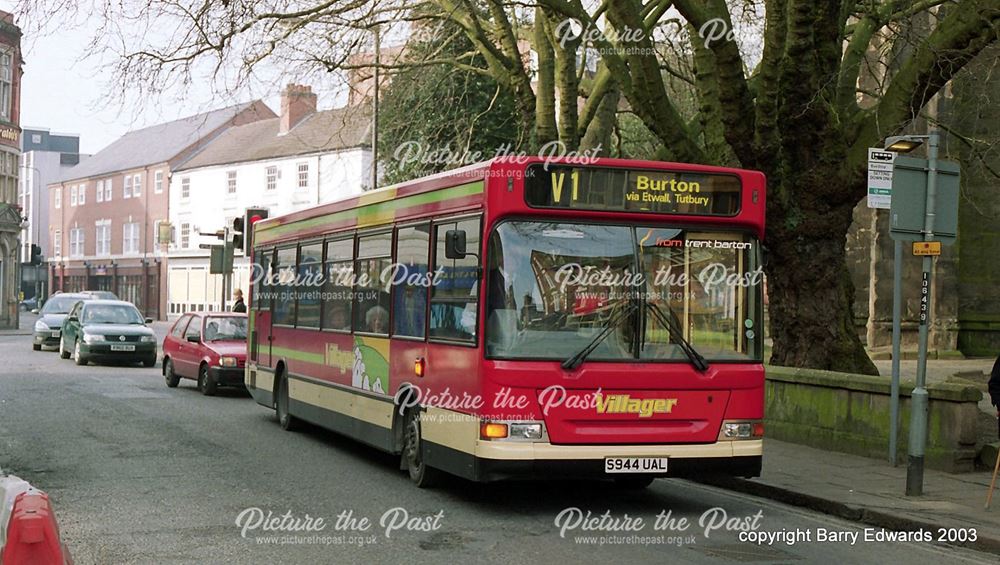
{"x":285,"y":419}
{"x":206,"y":384}
{"x":78,"y":355}
{"x":420,"y":473}
{"x":36,"y":346}
{"x":63,"y":352}
{"x":149,"y":361}
{"x":171,"y":378}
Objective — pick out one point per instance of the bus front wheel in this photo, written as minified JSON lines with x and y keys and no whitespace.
{"x":285,"y":419}
{"x":421,"y":475}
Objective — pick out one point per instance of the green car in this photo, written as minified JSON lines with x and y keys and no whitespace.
{"x":107,"y":330}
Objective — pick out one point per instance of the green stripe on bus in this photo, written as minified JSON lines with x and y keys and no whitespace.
{"x":375,"y":210}
{"x":316,"y":358}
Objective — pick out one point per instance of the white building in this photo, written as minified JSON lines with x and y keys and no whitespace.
{"x":301,"y":159}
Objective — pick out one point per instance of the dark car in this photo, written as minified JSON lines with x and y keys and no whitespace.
{"x":29,"y":304}
{"x":107,"y":330}
{"x":48,"y":327}
{"x":208,"y":346}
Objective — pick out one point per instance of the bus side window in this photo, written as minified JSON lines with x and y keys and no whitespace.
{"x":306,"y":292}
{"x":371,"y":300}
{"x":454,"y":298}
{"x":284,"y":303}
{"x":409,"y":302}
{"x":260,"y":276}
{"x":339,"y":272}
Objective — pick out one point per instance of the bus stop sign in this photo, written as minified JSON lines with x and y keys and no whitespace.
{"x":909,"y":200}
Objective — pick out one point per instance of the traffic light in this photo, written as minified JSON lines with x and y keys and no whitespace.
{"x":36,"y":254}
{"x":243,"y":228}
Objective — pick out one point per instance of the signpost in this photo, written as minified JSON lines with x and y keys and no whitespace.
{"x":880,"y":198}
{"x":880,"y":178}
{"x":924,"y":210}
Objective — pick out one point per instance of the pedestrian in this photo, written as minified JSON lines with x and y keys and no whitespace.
{"x":994,"y":387}
{"x":238,"y":304}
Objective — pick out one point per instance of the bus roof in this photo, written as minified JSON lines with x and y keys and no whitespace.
{"x":452,"y":190}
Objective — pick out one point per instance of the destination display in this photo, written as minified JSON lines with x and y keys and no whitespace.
{"x":621,"y":190}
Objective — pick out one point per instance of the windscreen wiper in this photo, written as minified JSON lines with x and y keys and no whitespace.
{"x":613,"y":323}
{"x":674,"y":329}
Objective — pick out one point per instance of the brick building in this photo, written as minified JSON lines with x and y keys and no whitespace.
{"x":105,"y":215}
{"x":11,"y":217}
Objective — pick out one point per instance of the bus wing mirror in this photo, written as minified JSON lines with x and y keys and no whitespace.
{"x":454,"y":244}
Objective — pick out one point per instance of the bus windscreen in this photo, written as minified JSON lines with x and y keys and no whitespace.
{"x":622,"y":190}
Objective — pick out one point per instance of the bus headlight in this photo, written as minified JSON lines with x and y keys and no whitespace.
{"x":227,"y":361}
{"x":741,"y":430}
{"x":524,"y":430}
{"x":513,"y":431}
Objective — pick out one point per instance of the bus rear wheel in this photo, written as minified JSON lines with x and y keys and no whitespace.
{"x":420,"y":473}
{"x":287,"y":422}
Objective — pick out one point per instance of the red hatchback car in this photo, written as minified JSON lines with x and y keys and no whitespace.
{"x":210,"y":347}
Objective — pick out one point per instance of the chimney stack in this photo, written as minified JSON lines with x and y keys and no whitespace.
{"x":297,"y":102}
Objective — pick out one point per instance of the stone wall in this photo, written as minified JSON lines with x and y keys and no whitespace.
{"x":850,"y":414}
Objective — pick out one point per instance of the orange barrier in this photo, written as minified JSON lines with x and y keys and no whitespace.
{"x":32,"y":533}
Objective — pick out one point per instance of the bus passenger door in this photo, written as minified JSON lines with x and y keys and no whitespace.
{"x":263,"y":301}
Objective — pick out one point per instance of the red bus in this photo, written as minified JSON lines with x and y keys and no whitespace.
{"x":521,"y":318}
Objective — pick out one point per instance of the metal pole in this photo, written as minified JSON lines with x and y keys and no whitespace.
{"x":918,"y":400}
{"x":897,"y":314}
{"x":378,"y":48}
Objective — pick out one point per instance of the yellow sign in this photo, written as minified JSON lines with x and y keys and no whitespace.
{"x":625,"y":404}
{"x":927,"y":248}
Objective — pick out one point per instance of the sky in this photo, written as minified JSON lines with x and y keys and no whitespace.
{"x":63,"y":92}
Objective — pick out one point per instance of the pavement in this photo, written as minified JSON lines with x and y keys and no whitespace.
{"x":872,"y":491}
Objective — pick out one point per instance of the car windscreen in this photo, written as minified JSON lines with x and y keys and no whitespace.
{"x":111,"y":314}
{"x":60,"y":304}
{"x":225,"y":329}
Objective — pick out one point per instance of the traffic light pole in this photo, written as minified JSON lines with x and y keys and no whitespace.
{"x":918,"y":399}
{"x":225,"y":276}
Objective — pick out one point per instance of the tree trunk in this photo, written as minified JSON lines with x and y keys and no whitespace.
{"x":811,"y":295}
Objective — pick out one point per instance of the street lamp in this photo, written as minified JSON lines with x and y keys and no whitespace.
{"x":904,"y":143}
{"x":918,"y":398}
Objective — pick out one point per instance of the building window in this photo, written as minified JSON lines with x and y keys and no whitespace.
{"x":127,"y":192}
{"x":59,"y":197}
{"x":185,"y":187}
{"x":76,"y":242}
{"x":72,"y":195}
{"x":99,"y":191}
{"x":158,"y":182}
{"x":185,"y":236}
{"x":272,"y":177}
{"x":107,"y":190}
{"x":231,"y":182}
{"x":6,"y":84}
{"x":57,"y":243}
{"x":137,"y":185}
{"x":83,"y":194}
{"x":303,"y":175}
{"x":130,"y":238}
{"x":103,"y":238}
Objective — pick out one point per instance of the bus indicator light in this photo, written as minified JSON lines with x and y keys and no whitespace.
{"x":419,"y":366}
{"x":492,"y":430}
